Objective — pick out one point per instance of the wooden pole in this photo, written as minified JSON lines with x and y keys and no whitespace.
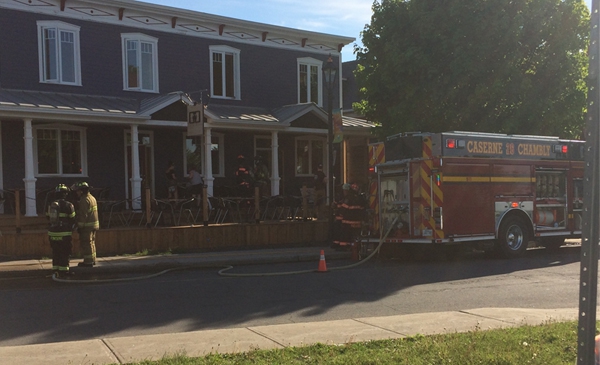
{"x":257,"y":204}
{"x":18,"y":210}
{"x":148,"y":208}
{"x":205,"y":205}
{"x":304,"y":203}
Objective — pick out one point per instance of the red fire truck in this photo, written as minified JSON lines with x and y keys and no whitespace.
{"x":494,"y":190}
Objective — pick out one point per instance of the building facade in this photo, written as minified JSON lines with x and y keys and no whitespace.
{"x":102,"y":91}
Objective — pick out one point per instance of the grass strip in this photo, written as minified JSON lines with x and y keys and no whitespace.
{"x":547,"y":344}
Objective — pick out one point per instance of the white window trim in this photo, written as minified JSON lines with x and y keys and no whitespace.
{"x":59,"y":128}
{"x":221,"y":139}
{"x":310,"y":167}
{"x":309,"y":61}
{"x":140,"y":38}
{"x":237,"y":92}
{"x":257,"y":149}
{"x":58,"y":25}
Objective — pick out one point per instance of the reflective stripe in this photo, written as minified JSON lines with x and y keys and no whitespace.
{"x":59,"y":235}
{"x":88,"y":224}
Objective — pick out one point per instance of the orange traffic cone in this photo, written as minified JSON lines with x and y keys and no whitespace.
{"x":322,"y":264}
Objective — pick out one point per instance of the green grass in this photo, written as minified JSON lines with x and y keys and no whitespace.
{"x":548,"y":344}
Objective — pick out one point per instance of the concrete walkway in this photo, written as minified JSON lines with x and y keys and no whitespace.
{"x":123,"y":350}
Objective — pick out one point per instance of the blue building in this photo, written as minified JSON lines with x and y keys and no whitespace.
{"x":100,"y":91}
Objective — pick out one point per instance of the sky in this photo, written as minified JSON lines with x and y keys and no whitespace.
{"x":339,"y":17}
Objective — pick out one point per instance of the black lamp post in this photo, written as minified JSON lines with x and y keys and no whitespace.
{"x":329,"y":74}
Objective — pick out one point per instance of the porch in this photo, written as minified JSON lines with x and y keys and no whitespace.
{"x":178,"y":225}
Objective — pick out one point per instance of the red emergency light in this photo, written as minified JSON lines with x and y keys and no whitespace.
{"x":561,"y":148}
{"x":450,"y":143}
{"x":514,"y":205}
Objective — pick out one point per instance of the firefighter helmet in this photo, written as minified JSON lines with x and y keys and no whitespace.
{"x":61,"y":188}
{"x":80,"y":186}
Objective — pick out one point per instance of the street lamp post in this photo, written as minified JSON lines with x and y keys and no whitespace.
{"x":329,"y":74}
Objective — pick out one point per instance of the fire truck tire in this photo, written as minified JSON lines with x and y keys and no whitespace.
{"x":513,"y":237}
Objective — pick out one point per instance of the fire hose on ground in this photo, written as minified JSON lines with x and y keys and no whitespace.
{"x":223,"y":272}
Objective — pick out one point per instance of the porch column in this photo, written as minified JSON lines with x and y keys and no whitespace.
{"x":136,"y":180}
{"x":275,"y":179}
{"x":209,"y":180}
{"x":30,"y":206}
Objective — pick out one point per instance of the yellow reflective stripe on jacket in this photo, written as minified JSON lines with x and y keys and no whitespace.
{"x":87,"y":213}
{"x":59,"y":235}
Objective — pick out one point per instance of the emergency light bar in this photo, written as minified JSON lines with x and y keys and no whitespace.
{"x":452,"y":143}
{"x":561,"y":148}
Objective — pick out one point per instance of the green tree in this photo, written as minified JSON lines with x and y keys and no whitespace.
{"x":505,"y":66}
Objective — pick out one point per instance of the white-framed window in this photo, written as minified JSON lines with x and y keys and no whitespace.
{"x":262,"y":148}
{"x":58,"y":52}
{"x":225,"y":72}
{"x":310,"y":81}
{"x":310,"y":152}
{"x":194,"y":154}
{"x":140,"y":62}
{"x":59,"y":150}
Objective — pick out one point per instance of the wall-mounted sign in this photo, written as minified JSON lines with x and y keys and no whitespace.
{"x":195,"y":120}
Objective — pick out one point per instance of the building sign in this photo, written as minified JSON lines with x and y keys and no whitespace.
{"x":195,"y":122}
{"x":506,"y":147}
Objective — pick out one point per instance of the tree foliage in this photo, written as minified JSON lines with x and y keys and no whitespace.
{"x":505,"y":66}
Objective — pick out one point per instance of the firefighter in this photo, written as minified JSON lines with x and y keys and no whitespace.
{"x":87,"y":223}
{"x":61,"y":215}
{"x":354,"y":210}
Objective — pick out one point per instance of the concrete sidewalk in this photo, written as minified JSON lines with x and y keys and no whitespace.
{"x":122,"y":350}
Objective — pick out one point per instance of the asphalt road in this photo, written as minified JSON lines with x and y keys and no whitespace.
{"x":38,"y":310}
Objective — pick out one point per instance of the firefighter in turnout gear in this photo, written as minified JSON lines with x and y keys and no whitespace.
{"x":87,"y":223}
{"x":61,"y":215}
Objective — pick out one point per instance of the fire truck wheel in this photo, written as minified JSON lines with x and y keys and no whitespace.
{"x":513,"y":237}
